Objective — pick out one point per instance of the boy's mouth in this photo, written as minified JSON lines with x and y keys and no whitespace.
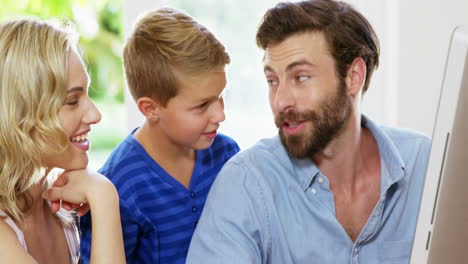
{"x":211,"y":134}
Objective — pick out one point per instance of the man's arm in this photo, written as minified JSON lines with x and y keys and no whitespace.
{"x":234,"y":224}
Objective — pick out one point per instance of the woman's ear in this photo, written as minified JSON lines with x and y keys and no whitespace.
{"x":149,"y":108}
{"x":356,"y":76}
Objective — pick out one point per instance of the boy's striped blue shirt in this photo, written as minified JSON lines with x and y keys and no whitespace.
{"x":158,"y":214}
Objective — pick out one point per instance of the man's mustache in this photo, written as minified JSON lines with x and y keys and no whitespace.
{"x":292,"y":116}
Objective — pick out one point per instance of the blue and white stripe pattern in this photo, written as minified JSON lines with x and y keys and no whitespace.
{"x":159,"y":214}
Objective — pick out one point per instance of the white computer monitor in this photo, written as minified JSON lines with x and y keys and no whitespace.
{"x":442,"y":228}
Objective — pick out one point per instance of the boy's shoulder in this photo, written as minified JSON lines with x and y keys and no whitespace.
{"x":224,"y":146}
{"x":129,"y":157}
{"x":222,"y":149}
{"x":126,"y":157}
{"x":224,"y":142}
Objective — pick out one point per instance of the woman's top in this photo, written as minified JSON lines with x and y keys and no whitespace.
{"x":70,"y":230}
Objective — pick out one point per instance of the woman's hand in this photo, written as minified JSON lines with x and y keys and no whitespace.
{"x":93,"y":191}
{"x":75,"y":190}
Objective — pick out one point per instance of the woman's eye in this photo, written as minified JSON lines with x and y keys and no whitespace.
{"x":73,"y":102}
{"x":72,"y":99}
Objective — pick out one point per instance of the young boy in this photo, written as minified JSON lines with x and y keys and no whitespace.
{"x":163,"y":170}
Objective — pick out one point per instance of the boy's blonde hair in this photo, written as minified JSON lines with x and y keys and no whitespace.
{"x":33,"y":81}
{"x":163,"y":43}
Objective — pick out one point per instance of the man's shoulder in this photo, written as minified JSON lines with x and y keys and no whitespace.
{"x":264,"y":149}
{"x":401,"y":136}
{"x":261,"y":169}
{"x":266,"y":155}
{"x":413,"y":147}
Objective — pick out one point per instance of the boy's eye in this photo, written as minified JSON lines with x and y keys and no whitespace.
{"x":201,"y":106}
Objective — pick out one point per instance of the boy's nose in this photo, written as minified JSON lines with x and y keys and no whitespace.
{"x":218,"y":112}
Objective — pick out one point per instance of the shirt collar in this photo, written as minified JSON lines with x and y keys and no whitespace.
{"x":306,"y":169}
{"x":389,"y":155}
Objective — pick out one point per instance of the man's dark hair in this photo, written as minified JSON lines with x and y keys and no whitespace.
{"x":348,"y":33}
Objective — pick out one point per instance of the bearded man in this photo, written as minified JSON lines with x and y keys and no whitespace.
{"x":333,"y":187}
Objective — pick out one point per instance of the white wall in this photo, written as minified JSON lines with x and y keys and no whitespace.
{"x":131,"y":10}
{"x":380,"y":101}
{"x":425,"y":28}
{"x":414,"y":37}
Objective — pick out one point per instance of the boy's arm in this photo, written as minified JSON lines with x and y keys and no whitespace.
{"x":131,"y":235}
{"x":233,"y":227}
{"x":85,"y":239}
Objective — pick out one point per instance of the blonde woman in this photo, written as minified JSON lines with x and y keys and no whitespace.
{"x":45,"y":117}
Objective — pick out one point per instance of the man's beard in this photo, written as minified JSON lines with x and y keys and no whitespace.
{"x":327,"y":124}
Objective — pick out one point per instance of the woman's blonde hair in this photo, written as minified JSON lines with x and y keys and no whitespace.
{"x":33,"y":81}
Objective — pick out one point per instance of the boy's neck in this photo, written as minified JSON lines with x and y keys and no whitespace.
{"x":176,"y":160}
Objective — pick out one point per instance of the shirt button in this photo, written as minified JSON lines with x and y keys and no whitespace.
{"x":320,"y":180}
{"x":192,"y":194}
{"x":314,"y":191}
{"x":356,"y":250}
{"x":194,"y":209}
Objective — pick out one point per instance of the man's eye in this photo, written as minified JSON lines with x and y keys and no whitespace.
{"x":272,"y":82}
{"x":302,"y":78}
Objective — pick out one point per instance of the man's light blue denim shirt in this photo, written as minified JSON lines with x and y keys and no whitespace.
{"x":266,"y":207}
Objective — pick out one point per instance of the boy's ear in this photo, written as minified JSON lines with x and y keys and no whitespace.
{"x":356,"y":76}
{"x":149,"y":108}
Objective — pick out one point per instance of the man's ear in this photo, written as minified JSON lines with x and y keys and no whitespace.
{"x":149,"y":108}
{"x":356,"y":76}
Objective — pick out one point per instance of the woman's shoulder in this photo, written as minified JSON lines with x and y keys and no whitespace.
{"x":12,"y":245}
{"x":9,"y":228}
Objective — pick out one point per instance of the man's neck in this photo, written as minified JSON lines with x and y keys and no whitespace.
{"x":351,"y":162}
{"x":350,"y":156}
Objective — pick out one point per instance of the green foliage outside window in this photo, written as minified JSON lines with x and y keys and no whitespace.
{"x":99,"y":23}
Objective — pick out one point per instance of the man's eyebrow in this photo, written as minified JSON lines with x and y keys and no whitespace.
{"x":291,"y":66}
{"x":268,"y":69}
{"x":75,"y":89}
{"x":299,"y":63}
